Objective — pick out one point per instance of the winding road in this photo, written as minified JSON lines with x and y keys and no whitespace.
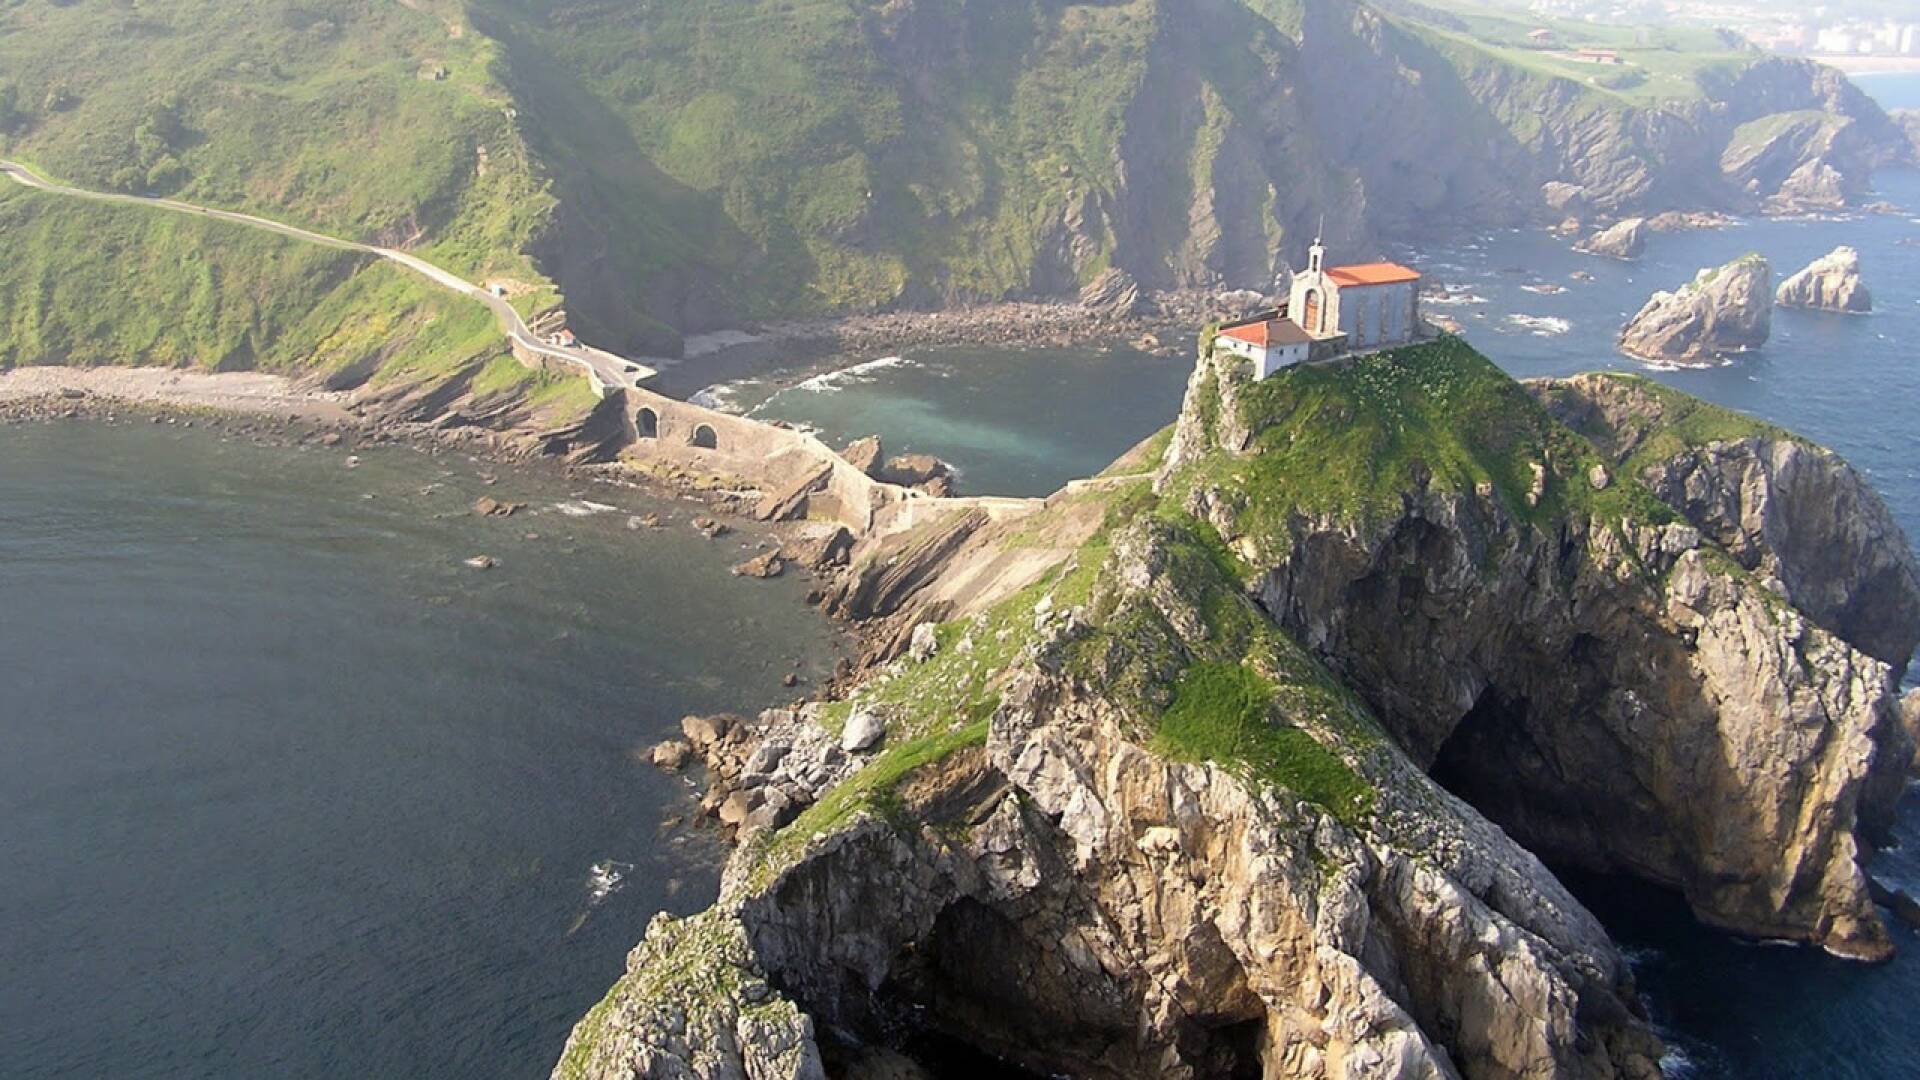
{"x":603,"y":369}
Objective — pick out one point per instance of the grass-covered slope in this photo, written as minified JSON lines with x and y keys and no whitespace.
{"x":665,"y":167}
{"x":90,"y":284}
{"x":377,"y":120}
{"x":1357,"y":437}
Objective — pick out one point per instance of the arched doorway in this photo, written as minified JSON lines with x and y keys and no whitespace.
{"x":705,"y":438}
{"x":647,"y":422}
{"x":1310,"y":318}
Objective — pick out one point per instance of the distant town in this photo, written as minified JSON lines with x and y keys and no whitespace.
{"x":1823,"y":31}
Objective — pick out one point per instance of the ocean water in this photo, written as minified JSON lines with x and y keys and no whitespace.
{"x":285,"y":790}
{"x":1021,"y":422}
{"x":1013,"y":421}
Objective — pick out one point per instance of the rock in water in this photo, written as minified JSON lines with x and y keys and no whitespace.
{"x":1830,"y":283}
{"x":671,"y":754}
{"x":763,"y":566}
{"x":1625,"y":240}
{"x":488,"y":506}
{"x":915,"y":470}
{"x":1114,"y":292}
{"x":1724,"y":310}
{"x":865,"y":454}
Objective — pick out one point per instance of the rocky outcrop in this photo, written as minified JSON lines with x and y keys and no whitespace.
{"x":1623,"y":240}
{"x":1909,"y":121}
{"x":1795,"y":515}
{"x":1239,"y":785}
{"x":1830,"y":283}
{"x":1721,"y":311}
{"x":1610,"y":685}
{"x":865,"y":454}
{"x":1114,"y":292}
{"x":1064,"y":897}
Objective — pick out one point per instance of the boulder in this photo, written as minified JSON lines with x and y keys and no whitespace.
{"x":913,"y":470}
{"x":767,"y":564}
{"x":817,"y":544}
{"x":924,"y":643}
{"x":704,"y":731}
{"x":1623,"y":240}
{"x":865,"y":454}
{"x":1723,"y":310}
{"x":488,"y":506}
{"x":1829,"y":283}
{"x":1564,"y":198}
{"x":1114,"y":292}
{"x":1236,"y":304}
{"x":671,"y":754}
{"x":481,"y":562}
{"x":863,"y":732}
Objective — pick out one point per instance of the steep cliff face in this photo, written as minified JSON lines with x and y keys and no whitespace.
{"x":1199,"y":789}
{"x":1529,"y":618}
{"x":1174,"y":849}
{"x":661,"y":169}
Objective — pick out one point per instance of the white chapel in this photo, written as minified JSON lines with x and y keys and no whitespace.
{"x":1330,"y":312}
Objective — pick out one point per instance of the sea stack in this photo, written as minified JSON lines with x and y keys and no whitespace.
{"x":1723,"y":310}
{"x":1829,"y":283}
{"x":1622,"y":240}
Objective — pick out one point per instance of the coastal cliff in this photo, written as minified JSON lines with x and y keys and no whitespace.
{"x":1238,"y":759}
{"x":664,"y":169}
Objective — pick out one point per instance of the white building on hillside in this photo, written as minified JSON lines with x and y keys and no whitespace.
{"x":1271,"y":344}
{"x":1373,"y":304}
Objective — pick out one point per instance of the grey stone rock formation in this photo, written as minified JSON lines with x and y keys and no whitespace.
{"x":1115,"y":292}
{"x":1544,"y":658}
{"x":1830,"y":283}
{"x":1625,"y":239}
{"x":1723,"y":310}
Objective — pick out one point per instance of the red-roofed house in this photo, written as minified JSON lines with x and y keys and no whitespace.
{"x":1271,"y":343}
{"x":1373,"y":304}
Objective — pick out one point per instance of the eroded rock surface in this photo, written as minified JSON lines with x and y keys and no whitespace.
{"x":1250,"y":780}
{"x":1721,"y":311}
{"x":1614,"y":687}
{"x":1830,"y":283}
{"x":1623,"y":240}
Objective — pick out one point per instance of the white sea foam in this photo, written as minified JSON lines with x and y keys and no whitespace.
{"x":605,"y":877}
{"x":720,"y":397}
{"x":834,"y":380}
{"x":1540,"y":325}
{"x":582,"y":508}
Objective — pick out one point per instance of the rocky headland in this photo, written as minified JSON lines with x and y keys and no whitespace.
{"x":1829,"y":283}
{"x":1722,"y":311}
{"x":1241,"y":758}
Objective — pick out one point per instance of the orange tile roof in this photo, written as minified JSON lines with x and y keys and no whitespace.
{"x":1269,"y":332}
{"x":1379,"y":273}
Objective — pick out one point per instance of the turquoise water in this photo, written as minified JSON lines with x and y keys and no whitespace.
{"x":285,"y":790}
{"x":1014,"y":421}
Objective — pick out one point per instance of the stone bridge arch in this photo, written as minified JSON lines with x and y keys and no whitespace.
{"x":646,"y":423}
{"x":704,"y":437}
